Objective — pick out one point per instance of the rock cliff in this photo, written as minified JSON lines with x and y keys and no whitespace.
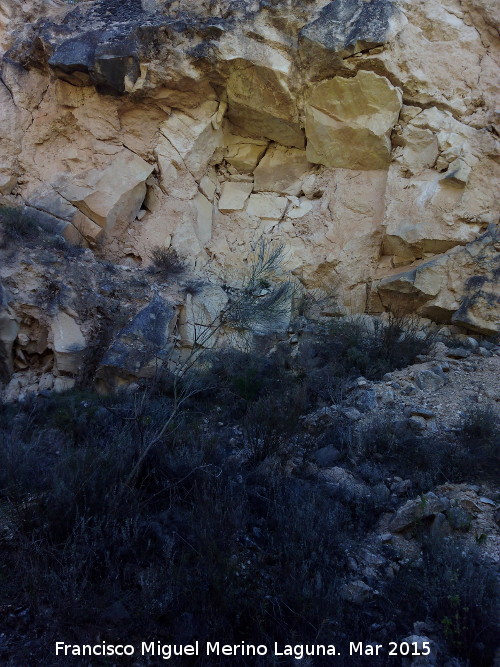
{"x":361,"y":135}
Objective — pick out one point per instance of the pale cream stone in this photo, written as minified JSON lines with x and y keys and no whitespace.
{"x":84,"y":227}
{"x":110,"y":196}
{"x":199,"y":319}
{"x":459,"y":171}
{"x":243,"y":153}
{"x":420,"y":148}
{"x":245,"y":157}
{"x":348,"y":121}
{"x":204,"y":218}
{"x":208,"y":187}
{"x":260,"y":102}
{"x":175,"y":178}
{"x":7,"y":182}
{"x":234,"y":196}
{"x":194,"y":136}
{"x":267,"y":207}
{"x":300,"y":209}
{"x":68,"y":342}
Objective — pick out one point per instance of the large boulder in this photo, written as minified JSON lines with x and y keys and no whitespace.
{"x":349,"y":121}
{"x":141,"y":348}
{"x":57,"y":214}
{"x":110,"y":196}
{"x":416,"y":511}
{"x":261,"y":104}
{"x":345,"y":27}
{"x":199,"y":321}
{"x":459,"y":286}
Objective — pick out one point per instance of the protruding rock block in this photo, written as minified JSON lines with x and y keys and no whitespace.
{"x":110,"y":196}
{"x":244,"y":153}
{"x":7,"y":181}
{"x":234,"y":196}
{"x":141,"y":348}
{"x":204,"y":218}
{"x":348,"y":121}
{"x":414,"y":240}
{"x":282,"y":170}
{"x":345,"y":27}
{"x":69,"y":343}
{"x":57,"y":215}
{"x":459,"y":286}
{"x":480,"y":309}
{"x":261,"y":104}
{"x":194,"y":137}
{"x":299,"y":208}
{"x":175,"y":178}
{"x":199,"y":318}
{"x":267,"y":207}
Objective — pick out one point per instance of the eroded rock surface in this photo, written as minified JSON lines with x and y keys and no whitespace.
{"x":361,"y":135}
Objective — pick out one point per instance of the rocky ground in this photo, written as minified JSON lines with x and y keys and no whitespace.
{"x":383,"y":487}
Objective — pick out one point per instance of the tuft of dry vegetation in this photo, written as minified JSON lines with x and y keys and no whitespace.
{"x":166,"y":263}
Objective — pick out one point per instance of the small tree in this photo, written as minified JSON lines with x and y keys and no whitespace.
{"x":257,"y":306}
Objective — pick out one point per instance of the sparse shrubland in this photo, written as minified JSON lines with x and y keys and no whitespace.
{"x":354,"y":346}
{"x":194,"y":508}
{"x":17,"y":225}
{"x":455,"y":590}
{"x":154,"y":520}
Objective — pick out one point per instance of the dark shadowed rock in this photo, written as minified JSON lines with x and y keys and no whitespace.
{"x":327,"y":456}
{"x":141,"y":348}
{"x":415,"y":511}
{"x":75,"y":57}
{"x":345,"y":27}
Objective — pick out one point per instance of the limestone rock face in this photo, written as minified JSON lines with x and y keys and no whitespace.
{"x":244,"y":153}
{"x":199,"y":318}
{"x":267,"y":207}
{"x":345,"y":27}
{"x":260,"y":102}
{"x":194,"y":136}
{"x":460,"y":286}
{"x":361,"y":135}
{"x":234,"y":196}
{"x":349,"y":121}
